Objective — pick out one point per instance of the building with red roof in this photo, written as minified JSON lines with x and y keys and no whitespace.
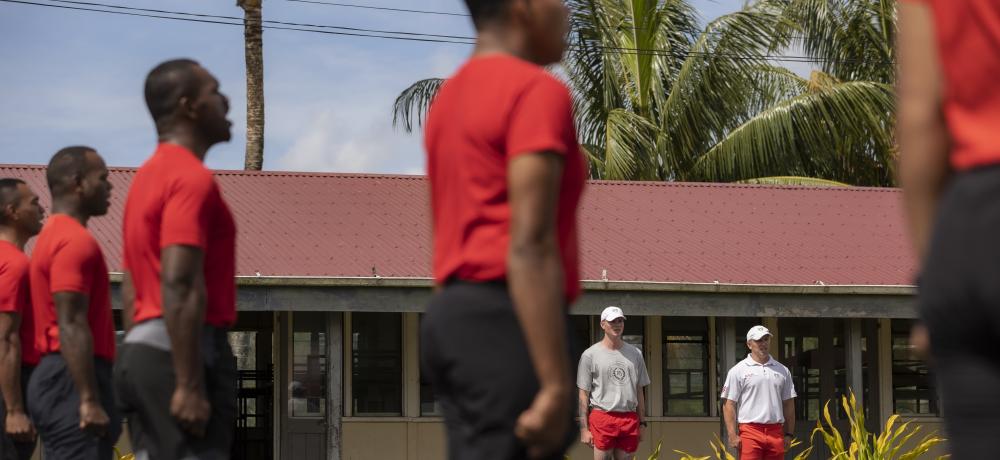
{"x":334,"y":271}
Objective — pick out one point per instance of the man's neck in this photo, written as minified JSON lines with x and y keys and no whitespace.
{"x":185,"y":137}
{"x":612,"y":342}
{"x":70,"y":209}
{"x":760,"y":360}
{"x":501,"y":40}
{"x":12,"y":236}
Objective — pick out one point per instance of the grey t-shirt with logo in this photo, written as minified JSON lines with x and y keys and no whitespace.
{"x":611,"y":377}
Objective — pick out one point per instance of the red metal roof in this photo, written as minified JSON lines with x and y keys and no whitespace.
{"x":351,"y":225}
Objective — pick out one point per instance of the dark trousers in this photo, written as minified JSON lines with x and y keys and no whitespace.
{"x":9,"y":448}
{"x":474,"y":355}
{"x":54,"y":406}
{"x":960,"y":305}
{"x":144,"y":379}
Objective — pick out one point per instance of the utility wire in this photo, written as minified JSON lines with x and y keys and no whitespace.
{"x":209,"y":21}
{"x":443,"y":13}
{"x":384,"y":34}
{"x":382,"y":8}
{"x":236,"y":18}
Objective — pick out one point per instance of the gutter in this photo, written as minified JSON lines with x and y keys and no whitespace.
{"x":588,"y":285}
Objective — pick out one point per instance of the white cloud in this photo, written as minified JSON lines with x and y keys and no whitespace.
{"x":342,"y":142}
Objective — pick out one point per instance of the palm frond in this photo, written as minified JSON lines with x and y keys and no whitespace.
{"x":840,"y":133}
{"x":630,"y":147}
{"x":853,"y":40}
{"x":410,"y":108}
{"x":716,"y":84}
{"x":793,"y":180}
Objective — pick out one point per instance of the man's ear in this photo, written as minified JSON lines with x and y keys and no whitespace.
{"x":7,"y":212}
{"x":185,"y":108}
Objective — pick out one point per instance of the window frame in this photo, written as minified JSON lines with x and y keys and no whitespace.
{"x":705,"y":370}
{"x":349,"y":368}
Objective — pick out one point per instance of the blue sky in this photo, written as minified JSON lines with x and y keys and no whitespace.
{"x":75,"y":77}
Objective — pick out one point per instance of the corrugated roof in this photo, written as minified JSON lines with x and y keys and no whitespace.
{"x":354,"y":225}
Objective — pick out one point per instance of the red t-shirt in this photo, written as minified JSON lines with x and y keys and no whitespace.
{"x":967,"y":33}
{"x":174,"y":200}
{"x":493,"y":109}
{"x":67,"y":258}
{"x":15,"y":297}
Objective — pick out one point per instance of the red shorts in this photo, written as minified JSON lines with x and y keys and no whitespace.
{"x":614,"y":430}
{"x":759,"y":441}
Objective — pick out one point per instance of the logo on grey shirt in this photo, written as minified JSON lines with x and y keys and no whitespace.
{"x":618,"y":372}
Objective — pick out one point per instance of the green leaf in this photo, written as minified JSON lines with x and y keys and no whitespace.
{"x":410,"y":108}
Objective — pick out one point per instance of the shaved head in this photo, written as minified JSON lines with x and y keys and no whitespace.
{"x":167,"y":83}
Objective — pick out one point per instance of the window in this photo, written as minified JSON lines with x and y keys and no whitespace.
{"x":912,"y":384}
{"x":377,"y":364}
{"x":307,"y":389}
{"x":685,"y":366}
{"x":579,"y":332}
{"x":429,"y":406}
{"x":742,"y":326}
{"x":635,"y":331}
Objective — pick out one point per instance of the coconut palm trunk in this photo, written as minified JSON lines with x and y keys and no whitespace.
{"x":253,"y":37}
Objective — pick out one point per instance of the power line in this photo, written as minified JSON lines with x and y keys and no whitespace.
{"x":443,"y":13}
{"x":382,"y":8}
{"x":373,"y":33}
{"x":641,"y":51}
{"x":235,"y":18}
{"x":210,"y":21}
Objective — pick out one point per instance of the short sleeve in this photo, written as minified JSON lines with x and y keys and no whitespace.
{"x":584,"y":373}
{"x":12,"y":286}
{"x":643,"y":374}
{"x":731,"y":390}
{"x":788,"y":390}
{"x":187,"y":212}
{"x":541,"y":119}
{"x":73,"y":266}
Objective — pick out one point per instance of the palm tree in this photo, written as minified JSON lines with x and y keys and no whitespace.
{"x":658,"y":98}
{"x":253,"y":38}
{"x":853,"y":40}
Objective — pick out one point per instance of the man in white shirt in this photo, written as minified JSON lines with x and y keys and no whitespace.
{"x":611,"y":376}
{"x":760,"y":396}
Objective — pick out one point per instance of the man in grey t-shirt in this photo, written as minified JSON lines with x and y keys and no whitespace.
{"x":612,"y":404}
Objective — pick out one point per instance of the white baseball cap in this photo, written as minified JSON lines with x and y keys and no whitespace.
{"x":757,"y":332}
{"x":612,"y":313}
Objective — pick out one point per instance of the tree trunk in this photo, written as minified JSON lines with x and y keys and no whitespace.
{"x":253,"y":37}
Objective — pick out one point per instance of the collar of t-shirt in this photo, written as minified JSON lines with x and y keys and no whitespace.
{"x":751,"y":362}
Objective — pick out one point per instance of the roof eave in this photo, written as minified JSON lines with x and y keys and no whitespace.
{"x":588,"y":285}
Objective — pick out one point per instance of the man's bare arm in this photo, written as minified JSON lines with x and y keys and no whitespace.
{"x":729,"y":415}
{"x":76,"y":344}
{"x":788,"y":407}
{"x":17,"y":423}
{"x":183,"y":290}
{"x":641,"y":409}
{"x":535,"y":278}
{"x":920,"y":128}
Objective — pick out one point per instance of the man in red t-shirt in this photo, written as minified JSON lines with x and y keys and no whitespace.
{"x":949,"y":152}
{"x":176,"y":377}
{"x":20,"y":219}
{"x":506,"y":175}
{"x":70,"y":397}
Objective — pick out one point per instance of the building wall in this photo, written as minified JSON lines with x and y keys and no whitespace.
{"x":409,"y":435}
{"x":397,"y":439}
{"x":400,"y":439}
